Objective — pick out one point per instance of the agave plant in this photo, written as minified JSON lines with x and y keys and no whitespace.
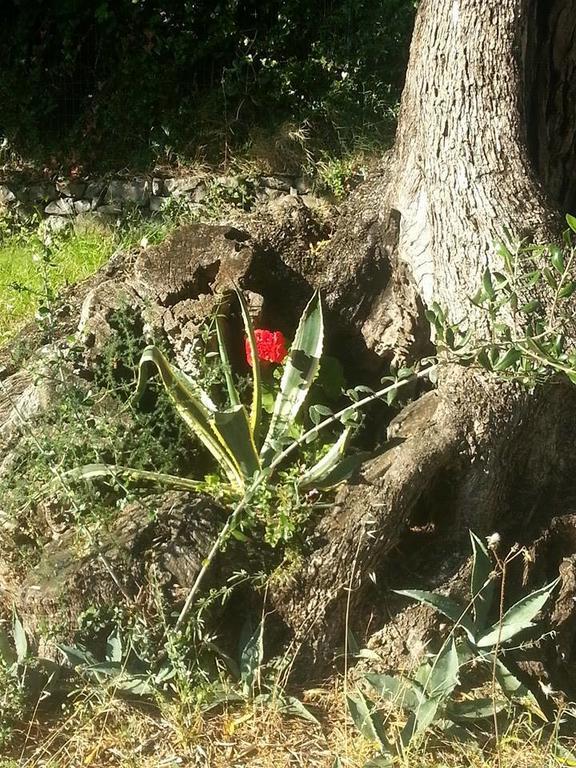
{"x":232,"y":434}
{"x":428,"y":696}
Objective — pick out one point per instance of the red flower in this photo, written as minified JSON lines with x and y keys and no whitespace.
{"x":270,"y":345}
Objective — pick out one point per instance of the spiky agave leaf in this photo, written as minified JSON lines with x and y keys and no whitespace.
{"x":226,"y":433}
{"x":300,"y":371}
{"x":256,"y":409}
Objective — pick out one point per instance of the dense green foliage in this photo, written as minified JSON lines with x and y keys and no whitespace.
{"x":146,"y":79}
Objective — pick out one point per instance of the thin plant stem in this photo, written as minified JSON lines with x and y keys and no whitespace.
{"x":495,"y":661}
{"x":218,"y":542}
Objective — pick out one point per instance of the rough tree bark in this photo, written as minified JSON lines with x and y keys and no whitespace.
{"x":485,"y":144}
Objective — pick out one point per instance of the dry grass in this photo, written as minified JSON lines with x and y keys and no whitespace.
{"x":111,"y":733}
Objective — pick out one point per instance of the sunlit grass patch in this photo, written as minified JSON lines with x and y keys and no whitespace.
{"x":24,"y":277}
{"x":96,"y":729}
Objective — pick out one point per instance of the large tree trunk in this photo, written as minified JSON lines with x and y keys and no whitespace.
{"x":487,"y":99}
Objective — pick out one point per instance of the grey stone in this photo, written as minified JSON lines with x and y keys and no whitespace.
{"x":55,"y":224}
{"x":159,"y":203}
{"x":72,"y":188}
{"x":230,"y":182}
{"x":82,"y":206}
{"x":95,"y":324}
{"x":303,"y":185}
{"x":310,"y":201}
{"x":6,"y":195}
{"x":281,"y":183}
{"x":27,"y":393}
{"x":62,"y":207}
{"x":273,"y":194}
{"x":136,"y":192}
{"x":199,"y":193}
{"x":94,"y":190}
{"x":182,"y":185}
{"x":41,"y":193}
{"x":158,"y":187}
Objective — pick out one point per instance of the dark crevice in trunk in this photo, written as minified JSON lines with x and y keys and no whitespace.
{"x":550,"y":86}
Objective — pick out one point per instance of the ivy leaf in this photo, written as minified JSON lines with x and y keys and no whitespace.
{"x":487,"y":285}
{"x":508,"y":360}
{"x":530,"y":307}
{"x":567,"y":290}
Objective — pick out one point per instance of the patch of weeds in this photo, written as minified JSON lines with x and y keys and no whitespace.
{"x":237,"y":192}
{"x":25,"y":679}
{"x":336,"y":175}
{"x":86,"y":422}
{"x":12,"y":704}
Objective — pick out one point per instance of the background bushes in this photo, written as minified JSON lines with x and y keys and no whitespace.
{"x":133,"y":81}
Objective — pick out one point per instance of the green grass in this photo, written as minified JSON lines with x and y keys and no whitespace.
{"x":74,"y":256}
{"x":24,"y":276}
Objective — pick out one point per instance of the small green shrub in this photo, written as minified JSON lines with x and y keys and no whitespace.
{"x":24,"y":679}
{"x":519,"y":336}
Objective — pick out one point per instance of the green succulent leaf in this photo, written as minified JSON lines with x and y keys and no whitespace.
{"x":368,"y":722}
{"x":137,"y":685}
{"x":225,"y":362}
{"x":334,"y":467}
{"x":444,"y":674}
{"x":475,"y":709}
{"x":511,"y":686}
{"x":481,"y":585}
{"x":401,"y":692}
{"x":290,"y":705}
{"x":193,"y":405}
{"x":514,"y":689}
{"x":256,"y":409}
{"x":251,"y":659}
{"x":233,"y":427}
{"x":419,"y":721}
{"x":77,"y":656}
{"x":299,"y":373}
{"x":444,"y":605}
{"x":92,"y":471}
{"x":517,"y":618}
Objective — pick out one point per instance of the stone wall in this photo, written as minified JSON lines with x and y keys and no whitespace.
{"x":61,"y":200}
